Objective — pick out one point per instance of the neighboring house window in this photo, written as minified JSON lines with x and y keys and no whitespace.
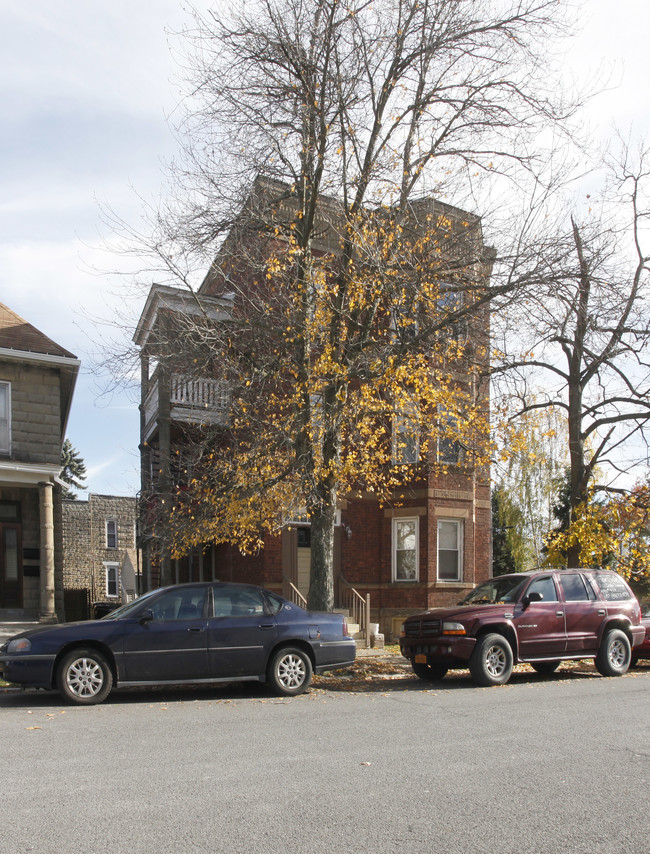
{"x":450,"y":303}
{"x":299,"y":516}
{"x":5,"y":418}
{"x":448,"y":450}
{"x":111,"y":579}
{"x":405,"y":549}
{"x":450,"y":550}
{"x":406,"y":436}
{"x":404,"y":321}
{"x":111,"y":534}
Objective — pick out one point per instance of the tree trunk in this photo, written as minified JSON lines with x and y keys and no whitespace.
{"x":323,"y":520}
{"x":576,"y":413}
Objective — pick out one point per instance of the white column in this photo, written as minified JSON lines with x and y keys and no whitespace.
{"x":46,"y":507}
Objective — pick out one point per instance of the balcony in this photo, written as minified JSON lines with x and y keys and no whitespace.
{"x":191,"y":401}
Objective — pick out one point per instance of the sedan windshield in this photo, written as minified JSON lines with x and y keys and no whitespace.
{"x":497,"y":590}
{"x":125,"y":610}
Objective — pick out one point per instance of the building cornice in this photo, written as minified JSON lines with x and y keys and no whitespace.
{"x":27,"y":474}
{"x":31,"y":356}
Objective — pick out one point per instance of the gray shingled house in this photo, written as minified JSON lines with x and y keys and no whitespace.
{"x":37,"y":380}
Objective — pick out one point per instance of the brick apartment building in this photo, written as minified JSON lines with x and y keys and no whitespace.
{"x":428,"y":549}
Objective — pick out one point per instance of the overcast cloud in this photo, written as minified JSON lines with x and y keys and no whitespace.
{"x":84,"y":92}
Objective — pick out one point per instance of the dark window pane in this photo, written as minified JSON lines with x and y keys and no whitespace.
{"x":447,"y":565}
{"x":546,"y":587}
{"x":574,"y":588}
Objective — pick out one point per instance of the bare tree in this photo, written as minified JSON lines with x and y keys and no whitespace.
{"x":346,"y":118}
{"x":584,"y":332}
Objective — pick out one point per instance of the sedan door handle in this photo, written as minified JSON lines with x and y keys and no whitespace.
{"x":267,"y":625}
{"x":196,"y":629}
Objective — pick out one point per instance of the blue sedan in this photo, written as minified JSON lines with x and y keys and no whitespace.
{"x":186,"y":634}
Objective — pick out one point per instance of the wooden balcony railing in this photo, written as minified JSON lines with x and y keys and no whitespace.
{"x":191,"y":399}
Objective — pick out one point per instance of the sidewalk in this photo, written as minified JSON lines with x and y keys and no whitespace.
{"x":9,"y":628}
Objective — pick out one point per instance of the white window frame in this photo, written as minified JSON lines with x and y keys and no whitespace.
{"x":460,"y":534}
{"x":109,"y":568}
{"x":396,"y":522}
{"x":6,"y":419}
{"x":106,"y":526}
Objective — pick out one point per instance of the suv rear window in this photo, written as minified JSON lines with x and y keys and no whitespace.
{"x":612,"y":586}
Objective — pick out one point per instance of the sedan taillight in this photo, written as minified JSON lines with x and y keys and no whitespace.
{"x":345,"y":627}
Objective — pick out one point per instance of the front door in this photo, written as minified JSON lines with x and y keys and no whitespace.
{"x":304,"y":560}
{"x":10,"y":574}
{"x":172,"y":646}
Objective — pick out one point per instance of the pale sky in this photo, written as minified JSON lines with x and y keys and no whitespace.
{"x":85,"y":88}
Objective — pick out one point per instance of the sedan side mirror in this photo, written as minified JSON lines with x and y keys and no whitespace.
{"x":146,"y":616}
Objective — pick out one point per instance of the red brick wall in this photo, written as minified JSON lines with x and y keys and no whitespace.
{"x":366,"y":552}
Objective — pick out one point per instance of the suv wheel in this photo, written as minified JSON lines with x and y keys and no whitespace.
{"x":492,"y":660}
{"x":430,"y":672}
{"x":614,"y":655}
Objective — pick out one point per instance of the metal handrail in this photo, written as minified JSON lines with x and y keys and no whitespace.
{"x":293,"y":593}
{"x":358,"y":605}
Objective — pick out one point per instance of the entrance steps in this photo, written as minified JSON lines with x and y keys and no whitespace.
{"x":354,"y":629}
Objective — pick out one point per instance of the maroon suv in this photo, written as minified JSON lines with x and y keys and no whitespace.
{"x":539,"y":617}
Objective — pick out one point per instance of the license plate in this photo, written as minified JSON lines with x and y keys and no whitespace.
{"x":420,"y":659}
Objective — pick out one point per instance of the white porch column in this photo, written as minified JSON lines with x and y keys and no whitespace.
{"x":46,"y":507}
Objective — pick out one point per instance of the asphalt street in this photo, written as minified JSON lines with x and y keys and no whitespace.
{"x":541,"y":765}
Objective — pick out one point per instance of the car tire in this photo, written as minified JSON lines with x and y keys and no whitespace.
{"x":84,"y":677}
{"x":634,"y":660}
{"x":429,"y":672}
{"x":492,"y":660}
{"x":544,"y":668}
{"x":615,"y":654}
{"x":290,"y":671}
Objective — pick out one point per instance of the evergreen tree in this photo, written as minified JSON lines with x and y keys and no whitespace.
{"x":73,"y":472}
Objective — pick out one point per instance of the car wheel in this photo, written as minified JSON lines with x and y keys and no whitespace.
{"x":290,"y":671}
{"x":430,"y":672}
{"x":614,"y":655}
{"x":492,"y":660}
{"x":84,"y":677}
{"x":544,"y":667}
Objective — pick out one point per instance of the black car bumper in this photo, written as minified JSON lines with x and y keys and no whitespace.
{"x":31,"y":671}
